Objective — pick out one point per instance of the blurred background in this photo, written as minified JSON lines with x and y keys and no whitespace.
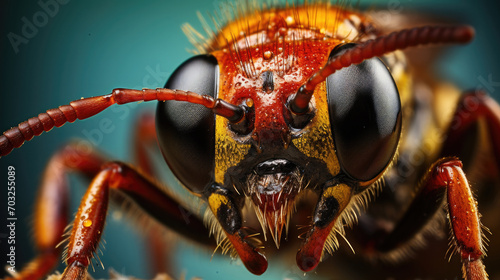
{"x":87,"y":48}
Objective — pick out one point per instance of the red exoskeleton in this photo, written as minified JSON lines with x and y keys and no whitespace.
{"x":284,"y":105}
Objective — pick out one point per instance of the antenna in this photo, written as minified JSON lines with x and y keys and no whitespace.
{"x":87,"y":107}
{"x":399,"y":40}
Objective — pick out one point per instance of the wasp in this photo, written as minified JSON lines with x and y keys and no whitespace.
{"x":292,"y":110}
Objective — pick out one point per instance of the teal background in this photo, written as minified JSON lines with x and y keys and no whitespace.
{"x":90,"y":47}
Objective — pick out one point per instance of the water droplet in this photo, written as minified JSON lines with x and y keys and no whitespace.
{"x":87,"y":223}
{"x":268,"y":55}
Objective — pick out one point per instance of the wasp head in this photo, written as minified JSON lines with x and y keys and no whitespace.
{"x":319,"y":115}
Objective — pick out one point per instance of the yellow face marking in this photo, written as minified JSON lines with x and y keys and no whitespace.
{"x":216,"y":201}
{"x":341,"y":192}
{"x":228,"y":152}
{"x":317,"y":141}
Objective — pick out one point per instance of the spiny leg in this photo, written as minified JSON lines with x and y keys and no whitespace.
{"x":89,"y":220}
{"x":445,"y":181}
{"x":88,"y":107}
{"x":472,"y":107}
{"x":51,"y":208}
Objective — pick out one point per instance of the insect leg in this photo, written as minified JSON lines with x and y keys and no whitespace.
{"x":228,"y":214}
{"x":473,"y":106}
{"x":51,"y":208}
{"x":90,"y":218}
{"x":445,"y":179}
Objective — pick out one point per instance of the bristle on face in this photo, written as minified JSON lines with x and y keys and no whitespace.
{"x":349,"y":217}
{"x":273,"y":199}
{"x":234,"y":23}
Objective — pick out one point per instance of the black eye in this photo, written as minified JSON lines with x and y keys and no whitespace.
{"x":365,"y":115}
{"x":186,"y":131}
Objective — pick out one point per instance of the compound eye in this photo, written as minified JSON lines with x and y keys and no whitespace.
{"x":365,"y":116}
{"x":186,"y":131}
